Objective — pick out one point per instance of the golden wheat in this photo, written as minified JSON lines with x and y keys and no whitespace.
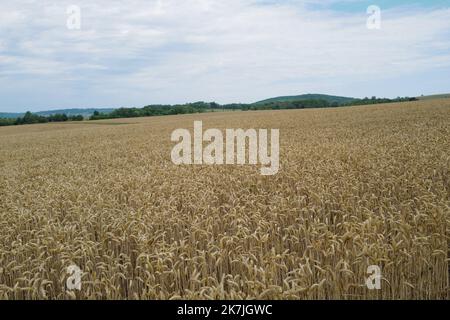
{"x":357,"y":187}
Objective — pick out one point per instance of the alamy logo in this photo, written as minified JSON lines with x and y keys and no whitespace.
{"x":74,"y":17}
{"x":373,"y":282}
{"x":374,"y":20}
{"x":235,"y":149}
{"x":73,"y":282}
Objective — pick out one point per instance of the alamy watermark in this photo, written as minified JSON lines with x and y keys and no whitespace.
{"x":73,"y":18}
{"x":73,"y":282}
{"x":235,"y":149}
{"x":373,"y":282}
{"x":374,"y":19}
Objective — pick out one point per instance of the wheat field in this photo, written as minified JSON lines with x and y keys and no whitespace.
{"x":357,"y":186}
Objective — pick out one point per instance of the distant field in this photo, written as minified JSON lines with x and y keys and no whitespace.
{"x":358,"y":186}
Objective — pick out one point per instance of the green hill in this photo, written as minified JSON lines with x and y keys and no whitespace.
{"x":328,"y":98}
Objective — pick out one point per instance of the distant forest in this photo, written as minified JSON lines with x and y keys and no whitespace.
{"x":31,"y":118}
{"x":200,"y":107}
{"x":197,"y":107}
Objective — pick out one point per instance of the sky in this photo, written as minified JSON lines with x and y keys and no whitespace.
{"x":139,"y":52}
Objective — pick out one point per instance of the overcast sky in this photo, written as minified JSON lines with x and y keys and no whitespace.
{"x":137,"y":52}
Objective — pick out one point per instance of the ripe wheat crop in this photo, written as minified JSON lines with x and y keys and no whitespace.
{"x":357,"y":187}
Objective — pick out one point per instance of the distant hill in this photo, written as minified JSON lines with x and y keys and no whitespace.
{"x":435,"y":96}
{"x":68,"y":112}
{"x":9,"y":115}
{"x":328,"y":98}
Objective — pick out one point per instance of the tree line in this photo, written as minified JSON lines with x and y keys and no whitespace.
{"x":318,"y":103}
{"x":157,"y":110}
{"x":32,"y":118}
{"x":200,"y":107}
{"x":197,"y":107}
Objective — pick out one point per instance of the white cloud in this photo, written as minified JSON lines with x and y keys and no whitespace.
{"x":230,"y":50}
